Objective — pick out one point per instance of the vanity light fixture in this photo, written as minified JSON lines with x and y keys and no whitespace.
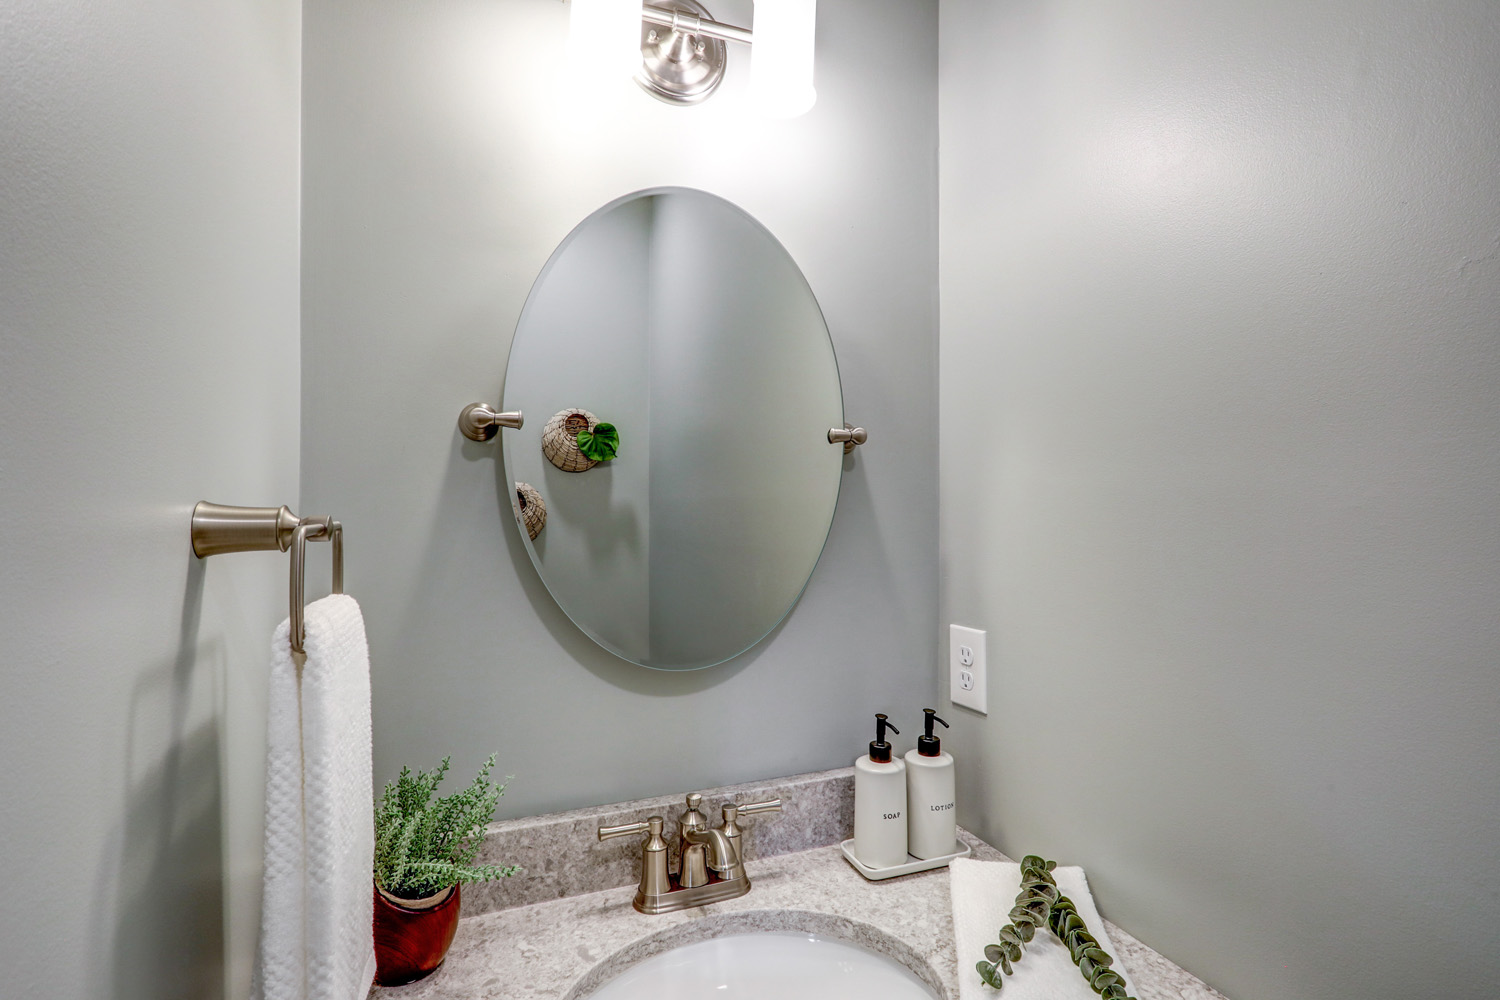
{"x":677,"y":53}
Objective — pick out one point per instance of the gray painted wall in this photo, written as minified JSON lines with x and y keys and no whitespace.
{"x":1221,"y":282}
{"x":443,"y":164}
{"x":148,"y":359}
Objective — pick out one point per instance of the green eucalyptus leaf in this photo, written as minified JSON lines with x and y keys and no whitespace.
{"x":1104,"y":978}
{"x":1099,"y":956}
{"x":987,"y":974}
{"x":1026,"y":930}
{"x":993,"y":952}
{"x":600,"y":444}
{"x":1008,"y":933}
{"x":1005,"y":965}
{"x":1085,"y":966}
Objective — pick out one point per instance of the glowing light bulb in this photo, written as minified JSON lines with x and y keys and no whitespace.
{"x":604,"y":40}
{"x":781,"y":57}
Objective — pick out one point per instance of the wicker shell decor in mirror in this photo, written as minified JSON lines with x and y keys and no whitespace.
{"x":531,"y":510}
{"x":560,"y":439}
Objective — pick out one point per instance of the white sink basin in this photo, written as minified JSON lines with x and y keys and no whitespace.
{"x":783,"y":966}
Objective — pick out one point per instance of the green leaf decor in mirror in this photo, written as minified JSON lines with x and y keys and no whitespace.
{"x":601,"y":444}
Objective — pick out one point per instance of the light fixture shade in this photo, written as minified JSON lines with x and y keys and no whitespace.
{"x":781,"y":56}
{"x":604,"y":39}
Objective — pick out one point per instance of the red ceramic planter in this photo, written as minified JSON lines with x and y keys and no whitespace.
{"x":412,"y":936}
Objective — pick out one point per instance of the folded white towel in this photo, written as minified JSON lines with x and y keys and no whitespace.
{"x":983,"y":894}
{"x":316,"y":937}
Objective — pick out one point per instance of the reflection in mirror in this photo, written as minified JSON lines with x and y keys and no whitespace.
{"x":679,"y":320}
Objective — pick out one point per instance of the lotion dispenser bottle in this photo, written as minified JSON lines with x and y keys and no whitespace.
{"x":932,"y":831}
{"x":880,"y":803}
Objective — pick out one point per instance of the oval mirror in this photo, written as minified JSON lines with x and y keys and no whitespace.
{"x":678,"y":320}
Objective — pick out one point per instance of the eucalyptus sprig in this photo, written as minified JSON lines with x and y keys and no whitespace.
{"x":1033,"y":904}
{"x":600,"y":444}
{"x":423,"y":845}
{"x":1040,"y":904}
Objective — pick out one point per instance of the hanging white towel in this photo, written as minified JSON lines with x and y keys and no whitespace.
{"x":983,"y":894}
{"x":316,"y":941}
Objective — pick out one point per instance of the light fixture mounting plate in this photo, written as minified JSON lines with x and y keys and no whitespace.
{"x":679,"y":66}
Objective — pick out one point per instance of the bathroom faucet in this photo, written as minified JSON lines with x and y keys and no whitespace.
{"x":697,"y":835}
{"x":712,"y":868}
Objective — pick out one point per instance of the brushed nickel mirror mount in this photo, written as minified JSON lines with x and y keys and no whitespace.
{"x":481,"y":421}
{"x":849,"y":436}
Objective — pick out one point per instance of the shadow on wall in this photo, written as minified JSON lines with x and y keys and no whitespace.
{"x":158,"y":923}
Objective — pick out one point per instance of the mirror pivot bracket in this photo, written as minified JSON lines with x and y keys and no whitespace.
{"x":481,"y":421}
{"x":849,"y":436}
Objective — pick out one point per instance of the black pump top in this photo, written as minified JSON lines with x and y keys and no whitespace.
{"x":880,"y":750}
{"x":929,"y":745}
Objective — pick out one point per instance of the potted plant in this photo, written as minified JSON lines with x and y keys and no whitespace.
{"x":424,"y":851}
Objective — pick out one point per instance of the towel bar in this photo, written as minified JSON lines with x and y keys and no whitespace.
{"x":218,"y":529}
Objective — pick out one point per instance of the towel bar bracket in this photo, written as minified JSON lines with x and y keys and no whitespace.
{"x":218,"y":529}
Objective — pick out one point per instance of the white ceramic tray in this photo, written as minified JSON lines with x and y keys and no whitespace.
{"x":912,"y":864}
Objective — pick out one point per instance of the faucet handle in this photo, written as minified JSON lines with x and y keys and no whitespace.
{"x":654,"y":880}
{"x":652,"y":826}
{"x":732,"y":814}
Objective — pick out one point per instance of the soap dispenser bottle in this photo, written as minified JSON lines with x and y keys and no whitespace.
{"x":931,"y":828}
{"x":880,"y":803}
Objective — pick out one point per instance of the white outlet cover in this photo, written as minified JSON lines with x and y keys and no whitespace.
{"x":966,"y":683}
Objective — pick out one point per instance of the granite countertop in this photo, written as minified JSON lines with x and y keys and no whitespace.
{"x":564,"y":949}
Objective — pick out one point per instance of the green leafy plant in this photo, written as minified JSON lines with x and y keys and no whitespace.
{"x":600,"y":444}
{"x":1039,"y":904}
{"x":422,"y":844}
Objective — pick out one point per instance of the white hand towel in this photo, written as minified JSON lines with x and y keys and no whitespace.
{"x":317,"y":941}
{"x":983,"y":894}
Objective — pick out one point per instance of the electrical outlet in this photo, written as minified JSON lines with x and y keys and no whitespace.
{"x":966,"y":668}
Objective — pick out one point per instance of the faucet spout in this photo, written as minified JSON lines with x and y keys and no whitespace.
{"x":723,"y":857}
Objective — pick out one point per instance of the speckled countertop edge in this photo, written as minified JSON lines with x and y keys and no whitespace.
{"x":563,"y":949}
